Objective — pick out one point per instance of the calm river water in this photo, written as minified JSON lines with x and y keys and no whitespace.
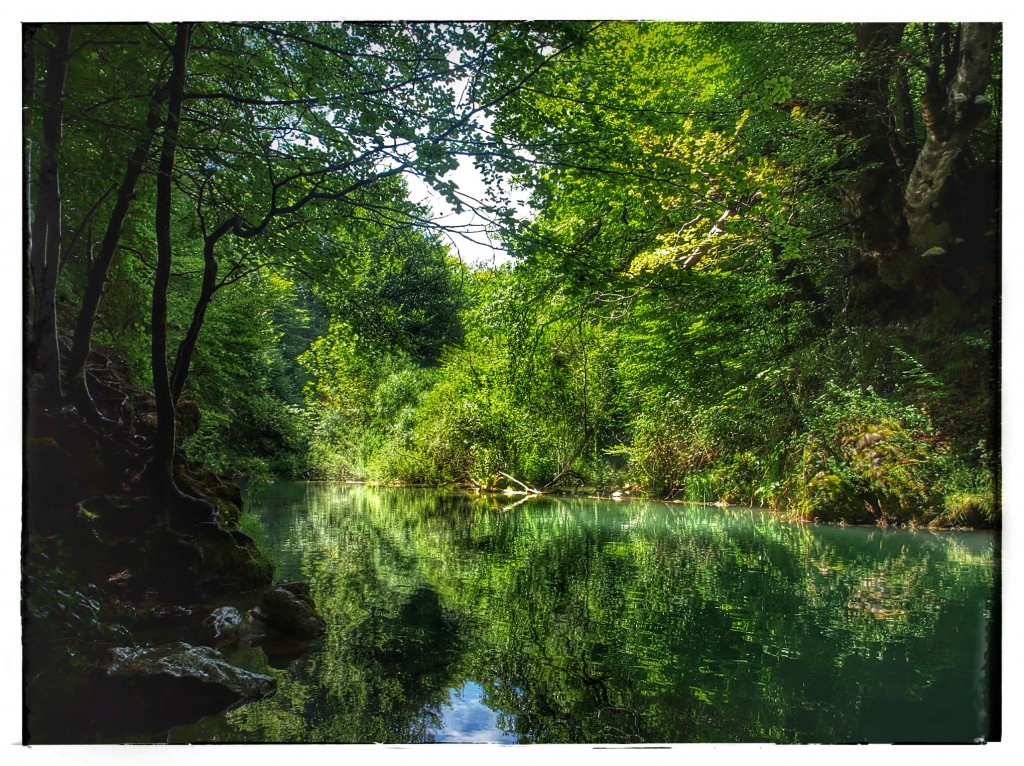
{"x":455,"y":618}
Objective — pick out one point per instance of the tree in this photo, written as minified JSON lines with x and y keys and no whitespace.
{"x":162,"y":463}
{"x":142,"y":70}
{"x":725,"y":220}
{"x":44,"y":221}
{"x":915,"y":233}
{"x":953,"y":105}
{"x":264,"y":128}
{"x":734,"y":199}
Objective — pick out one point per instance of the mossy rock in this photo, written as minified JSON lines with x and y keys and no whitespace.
{"x":232,"y":562}
{"x":184,"y":559}
{"x":225,"y":495}
{"x":171,"y":565}
{"x":830,"y":497}
{"x":288,"y":608}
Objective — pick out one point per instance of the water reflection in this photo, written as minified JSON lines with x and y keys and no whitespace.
{"x":451,"y":619}
{"x":468,"y":719}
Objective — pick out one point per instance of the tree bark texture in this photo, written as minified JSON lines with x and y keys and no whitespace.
{"x":42,"y":349}
{"x":901,"y":209}
{"x":164,"y":446}
{"x":28,"y":94}
{"x":949,"y":118}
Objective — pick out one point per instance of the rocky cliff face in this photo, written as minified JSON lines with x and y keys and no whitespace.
{"x":110,"y":563}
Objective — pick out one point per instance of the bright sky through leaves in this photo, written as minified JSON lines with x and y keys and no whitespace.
{"x":466,"y":231}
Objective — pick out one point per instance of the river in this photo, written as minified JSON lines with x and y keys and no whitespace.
{"x":462,"y":618}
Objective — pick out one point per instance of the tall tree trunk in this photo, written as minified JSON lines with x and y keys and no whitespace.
{"x":162,"y":467}
{"x":872,"y":200}
{"x":949,"y":117}
{"x":78,"y":391}
{"x":43,"y":350}
{"x":28,"y":94}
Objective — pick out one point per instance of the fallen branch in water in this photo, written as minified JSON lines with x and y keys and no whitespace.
{"x":531,"y":490}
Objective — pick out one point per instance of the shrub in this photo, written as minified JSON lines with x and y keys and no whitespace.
{"x":668,"y":454}
{"x":865,"y":451}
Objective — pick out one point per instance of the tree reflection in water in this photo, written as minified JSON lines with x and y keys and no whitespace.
{"x":589,"y":621}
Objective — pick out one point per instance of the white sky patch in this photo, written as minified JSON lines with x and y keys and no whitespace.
{"x":468,"y":719}
{"x":470,"y":235}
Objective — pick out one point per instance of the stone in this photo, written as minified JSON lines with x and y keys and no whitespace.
{"x":181,"y":661}
{"x":224,"y":622}
{"x":151,"y":690}
{"x":232,"y":562}
{"x":288,"y":608}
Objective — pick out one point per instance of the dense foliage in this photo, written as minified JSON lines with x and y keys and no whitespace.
{"x":744,"y":273}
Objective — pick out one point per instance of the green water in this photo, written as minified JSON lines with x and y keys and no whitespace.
{"x":454,"y":618}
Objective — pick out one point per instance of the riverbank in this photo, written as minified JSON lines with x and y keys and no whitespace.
{"x":119,"y":583}
{"x":967,"y":519}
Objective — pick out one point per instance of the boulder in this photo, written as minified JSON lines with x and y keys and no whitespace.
{"x":222,"y":493}
{"x":156,"y":688}
{"x":232,"y":562}
{"x":184,"y":661}
{"x":224,"y":623}
{"x":287,"y":608}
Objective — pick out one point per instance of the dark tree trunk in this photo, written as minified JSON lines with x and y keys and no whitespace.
{"x":43,"y":351}
{"x":950,"y":110}
{"x":902,"y":207}
{"x":78,"y":391}
{"x":872,"y":201}
{"x":187,"y":347}
{"x":162,"y":467}
{"x":28,"y":94}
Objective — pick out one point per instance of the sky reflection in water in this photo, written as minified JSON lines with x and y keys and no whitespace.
{"x":468,"y":719}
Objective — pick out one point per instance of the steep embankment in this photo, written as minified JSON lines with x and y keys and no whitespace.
{"x":113,"y":571}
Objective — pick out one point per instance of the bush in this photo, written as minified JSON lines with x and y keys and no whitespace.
{"x":668,"y":453}
{"x":831,"y":497}
{"x":970,"y":492}
{"x":863,"y":451}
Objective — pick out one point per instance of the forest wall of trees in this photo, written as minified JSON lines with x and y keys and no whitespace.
{"x":760,"y":263}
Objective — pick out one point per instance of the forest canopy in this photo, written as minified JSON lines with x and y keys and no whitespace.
{"x":747,"y":262}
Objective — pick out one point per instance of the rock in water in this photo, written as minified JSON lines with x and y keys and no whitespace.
{"x":146,"y":692}
{"x":224,"y":621}
{"x":181,"y":660}
{"x":165,"y":686}
{"x":288,"y":608}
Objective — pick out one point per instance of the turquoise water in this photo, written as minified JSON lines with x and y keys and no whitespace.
{"x":458,"y":618}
